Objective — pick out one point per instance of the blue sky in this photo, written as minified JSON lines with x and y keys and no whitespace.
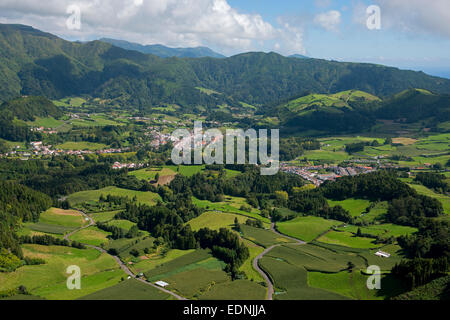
{"x":425,"y":50}
{"x":414,"y":34}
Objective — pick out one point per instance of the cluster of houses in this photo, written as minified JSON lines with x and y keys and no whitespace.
{"x":39,"y":149}
{"x":118,"y":165}
{"x":310,"y":173}
{"x":44,"y":130}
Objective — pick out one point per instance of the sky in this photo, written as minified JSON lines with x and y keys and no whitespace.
{"x":411,"y":34}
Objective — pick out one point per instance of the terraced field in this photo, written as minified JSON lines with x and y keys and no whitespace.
{"x":128,"y":290}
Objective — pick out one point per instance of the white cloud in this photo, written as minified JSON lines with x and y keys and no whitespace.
{"x":411,"y":16}
{"x":330,"y":20}
{"x":171,"y":22}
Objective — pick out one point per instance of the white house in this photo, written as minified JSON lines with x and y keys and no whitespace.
{"x":161,"y":284}
{"x":382,"y":254}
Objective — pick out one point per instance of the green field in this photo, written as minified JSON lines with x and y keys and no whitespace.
{"x":176,"y":265}
{"x":157,"y":260}
{"x":354,"y":285}
{"x":230,"y":205}
{"x":262,"y":237}
{"x":98,"y":270}
{"x":148,"y":198}
{"x":444,"y":199}
{"x":235,"y":290}
{"x":46,"y":122}
{"x":247,"y":266}
{"x":355,"y":206}
{"x":150,"y":173}
{"x":81,"y":146}
{"x":128,"y":290}
{"x":216,"y":221}
{"x":92,"y":236}
{"x":104,"y":216}
{"x":291,"y":282}
{"x":56,"y":221}
{"x":347,"y":239}
{"x":316,"y":258}
{"x":306,"y":228}
{"x":193,"y":283}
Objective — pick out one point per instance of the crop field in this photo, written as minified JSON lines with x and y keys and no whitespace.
{"x":381,"y":229}
{"x":176,"y":264}
{"x":347,"y":239}
{"x":235,"y":290}
{"x":48,"y":228}
{"x":216,"y":220}
{"x":156,"y":260}
{"x":445,"y":200}
{"x":131,"y":289}
{"x":353,"y":285}
{"x":92,"y":236}
{"x":148,"y":198}
{"x":81,"y":146}
{"x":49,"y":280}
{"x":291,"y":282}
{"x":306,"y":228}
{"x":315,"y":258}
{"x":355,"y":206}
{"x":193,"y":283}
{"x":57,"y":222}
{"x":262,"y":237}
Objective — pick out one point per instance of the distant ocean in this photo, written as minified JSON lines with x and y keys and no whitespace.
{"x":438,"y":72}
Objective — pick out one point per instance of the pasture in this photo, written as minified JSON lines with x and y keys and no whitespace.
{"x":347,"y":239}
{"x":81,"y":146}
{"x":92,"y":236}
{"x":216,"y":220}
{"x":148,"y":198}
{"x":355,"y":206}
{"x":49,"y":280}
{"x":306,"y":228}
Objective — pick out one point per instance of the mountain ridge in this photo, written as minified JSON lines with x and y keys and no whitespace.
{"x":33,"y":62}
{"x":164,"y":51}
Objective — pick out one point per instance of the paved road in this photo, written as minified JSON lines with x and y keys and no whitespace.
{"x":270,"y":290}
{"x":122,"y":265}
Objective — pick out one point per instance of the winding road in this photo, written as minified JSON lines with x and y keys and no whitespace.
{"x":266,"y":276}
{"x":122,"y":265}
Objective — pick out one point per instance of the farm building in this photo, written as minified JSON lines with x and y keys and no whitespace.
{"x":161,"y":284}
{"x":382,"y":254}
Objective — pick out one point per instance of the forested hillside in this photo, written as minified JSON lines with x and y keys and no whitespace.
{"x":37,"y":63}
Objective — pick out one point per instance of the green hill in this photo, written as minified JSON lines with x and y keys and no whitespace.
{"x":28,"y":108}
{"x":416,"y":105}
{"x":37,"y":63}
